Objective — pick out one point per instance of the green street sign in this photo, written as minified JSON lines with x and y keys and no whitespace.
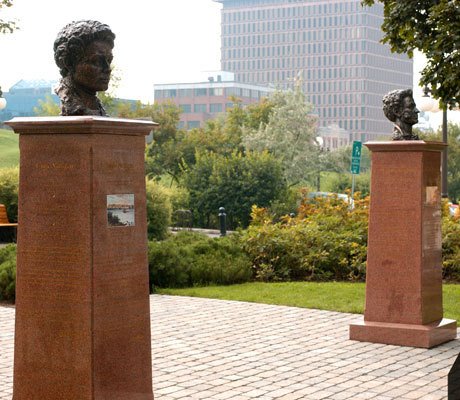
{"x":356,"y":157}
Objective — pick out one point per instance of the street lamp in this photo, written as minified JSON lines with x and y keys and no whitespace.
{"x":2,"y":100}
{"x":428,"y":104}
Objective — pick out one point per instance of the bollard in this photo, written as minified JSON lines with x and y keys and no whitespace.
{"x":222,"y":220}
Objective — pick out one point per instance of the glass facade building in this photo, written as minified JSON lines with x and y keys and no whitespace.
{"x":332,"y":46}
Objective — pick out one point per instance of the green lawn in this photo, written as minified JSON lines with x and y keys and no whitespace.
{"x":9,"y":149}
{"x":333,"y":296}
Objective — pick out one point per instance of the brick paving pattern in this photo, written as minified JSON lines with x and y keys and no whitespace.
{"x":213,"y":349}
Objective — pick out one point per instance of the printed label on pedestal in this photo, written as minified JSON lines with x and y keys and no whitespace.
{"x":120,"y":209}
{"x":433,"y":195}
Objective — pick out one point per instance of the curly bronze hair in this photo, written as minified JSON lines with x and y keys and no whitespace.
{"x":393,"y":103}
{"x":72,"y":40}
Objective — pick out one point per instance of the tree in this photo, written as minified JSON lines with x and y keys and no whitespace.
{"x":453,"y":166}
{"x":290,"y":135}
{"x":235,"y":181}
{"x":432,"y":27}
{"x":173,"y":148}
{"x":47,"y":107}
{"x":7,"y":26}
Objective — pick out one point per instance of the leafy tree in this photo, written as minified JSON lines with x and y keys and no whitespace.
{"x":47,"y":107}
{"x":453,"y":163}
{"x":433,"y":27}
{"x":290,"y":135}
{"x":158,"y":211}
{"x":7,"y":26}
{"x":172,"y":148}
{"x":234,"y":181}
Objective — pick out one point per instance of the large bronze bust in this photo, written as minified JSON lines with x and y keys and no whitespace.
{"x":83,"y":53}
{"x":399,"y":107}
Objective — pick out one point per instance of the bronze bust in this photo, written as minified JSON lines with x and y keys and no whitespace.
{"x":399,"y":107}
{"x":83,"y":53}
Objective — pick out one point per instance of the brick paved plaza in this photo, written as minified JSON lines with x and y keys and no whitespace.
{"x":213,"y":349}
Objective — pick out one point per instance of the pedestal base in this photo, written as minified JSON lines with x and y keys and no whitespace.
{"x":425,"y":336}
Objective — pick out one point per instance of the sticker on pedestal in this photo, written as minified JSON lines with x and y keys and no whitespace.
{"x":120,"y":209}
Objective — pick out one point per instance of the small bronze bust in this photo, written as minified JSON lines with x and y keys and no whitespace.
{"x":399,"y":107}
{"x":83,"y":53}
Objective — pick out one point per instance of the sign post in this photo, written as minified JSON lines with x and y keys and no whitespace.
{"x":355,"y":165}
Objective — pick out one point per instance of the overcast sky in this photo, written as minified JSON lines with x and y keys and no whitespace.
{"x":158,"y":41}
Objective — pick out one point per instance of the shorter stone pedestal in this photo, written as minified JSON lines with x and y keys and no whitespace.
{"x":82,"y":293}
{"x":404,"y":266}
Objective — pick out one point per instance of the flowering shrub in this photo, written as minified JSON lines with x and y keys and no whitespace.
{"x":327,"y":240}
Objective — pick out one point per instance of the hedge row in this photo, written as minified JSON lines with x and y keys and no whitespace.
{"x":325,"y":241}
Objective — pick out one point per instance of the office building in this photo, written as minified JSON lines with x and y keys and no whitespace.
{"x":200,"y":101}
{"x":332,"y":46}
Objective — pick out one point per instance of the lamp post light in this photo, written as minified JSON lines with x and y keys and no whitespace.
{"x":2,"y":100}
{"x":428,"y":104}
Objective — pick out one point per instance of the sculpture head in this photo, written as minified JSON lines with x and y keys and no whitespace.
{"x":399,"y":107}
{"x":83,"y":53}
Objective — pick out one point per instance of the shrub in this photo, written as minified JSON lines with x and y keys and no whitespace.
{"x":235,"y":181}
{"x":341,"y":183}
{"x":158,"y":211}
{"x":9,"y":185}
{"x":180,"y":198}
{"x":450,"y":245}
{"x":325,"y":241}
{"x":189,"y":259}
{"x":8,"y":272}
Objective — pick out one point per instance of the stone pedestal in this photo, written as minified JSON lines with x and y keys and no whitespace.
{"x":403,"y":278}
{"x":82,"y":295}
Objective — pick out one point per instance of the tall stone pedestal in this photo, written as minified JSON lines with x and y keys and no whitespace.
{"x":82,"y":294}
{"x":403,"y":278}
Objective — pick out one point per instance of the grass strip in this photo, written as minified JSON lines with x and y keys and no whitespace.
{"x":332,"y":296}
{"x":9,"y":148}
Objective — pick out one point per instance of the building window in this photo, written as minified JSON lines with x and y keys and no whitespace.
{"x":193,"y":124}
{"x":185,"y":92}
{"x":186,"y":108}
{"x":215,"y":108}
{"x":199,"y":108}
{"x":201,"y":92}
{"x":216,"y":91}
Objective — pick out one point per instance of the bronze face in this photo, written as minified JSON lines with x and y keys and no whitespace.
{"x":410,"y":112}
{"x":92,"y":72}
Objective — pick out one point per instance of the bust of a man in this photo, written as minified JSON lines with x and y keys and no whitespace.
{"x":399,"y":107}
{"x":83,"y":53}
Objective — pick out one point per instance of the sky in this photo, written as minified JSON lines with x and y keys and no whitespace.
{"x":157,"y":41}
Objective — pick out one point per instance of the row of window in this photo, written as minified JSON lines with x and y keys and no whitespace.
{"x":297,"y":24}
{"x":337,"y":46}
{"x":204,"y":92}
{"x":326,"y":8}
{"x":203,"y":108}
{"x":261,"y":38}
{"x":329,"y":111}
{"x":189,"y":124}
{"x":303,"y":62}
{"x":242,"y":69}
